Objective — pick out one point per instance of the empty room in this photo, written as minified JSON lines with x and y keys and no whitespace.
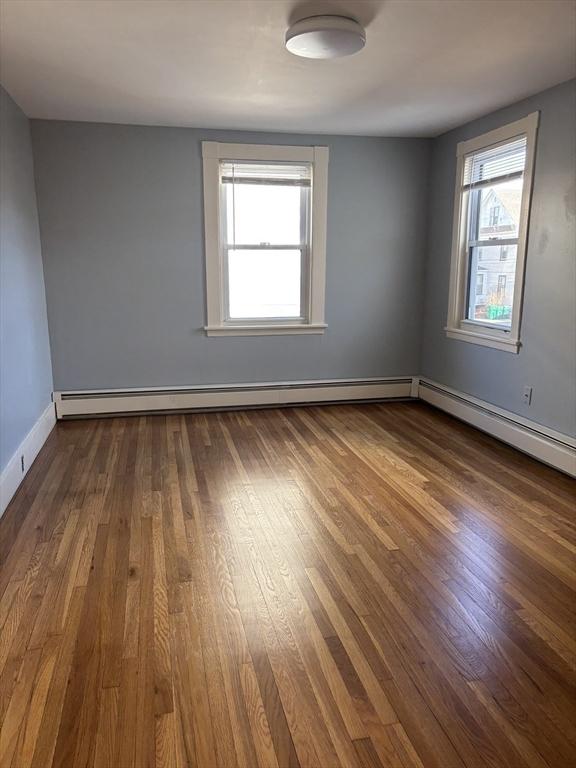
{"x":288,"y":384}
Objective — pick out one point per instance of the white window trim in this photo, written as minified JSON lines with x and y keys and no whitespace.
{"x":458,"y":327}
{"x":213,"y":153}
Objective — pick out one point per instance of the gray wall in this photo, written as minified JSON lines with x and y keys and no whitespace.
{"x":122,"y":234}
{"x":547,"y":358}
{"x":25,"y":370}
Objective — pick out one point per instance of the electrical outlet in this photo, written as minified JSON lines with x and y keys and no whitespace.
{"x":22,"y":463}
{"x":527,"y":395}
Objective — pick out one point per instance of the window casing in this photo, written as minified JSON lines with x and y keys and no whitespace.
{"x":492,"y":204}
{"x":265,"y":235}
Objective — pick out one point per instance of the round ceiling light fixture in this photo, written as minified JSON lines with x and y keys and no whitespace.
{"x":325,"y":37}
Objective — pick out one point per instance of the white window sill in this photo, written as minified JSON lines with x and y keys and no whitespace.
{"x":484,"y":339}
{"x":265,"y":330}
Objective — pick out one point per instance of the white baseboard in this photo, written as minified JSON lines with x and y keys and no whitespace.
{"x":16,"y":469}
{"x":102,"y":403}
{"x":549,"y":446}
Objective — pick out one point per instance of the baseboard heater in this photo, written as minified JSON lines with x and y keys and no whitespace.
{"x":545,"y":444}
{"x":113,"y":402}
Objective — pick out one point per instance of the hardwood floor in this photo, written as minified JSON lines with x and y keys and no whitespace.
{"x":373,"y":585}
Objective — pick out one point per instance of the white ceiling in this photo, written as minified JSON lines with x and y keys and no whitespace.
{"x":428,"y":65}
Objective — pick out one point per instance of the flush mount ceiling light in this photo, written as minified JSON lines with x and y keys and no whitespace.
{"x":325,"y":37}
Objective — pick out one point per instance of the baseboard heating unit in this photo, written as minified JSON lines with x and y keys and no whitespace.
{"x":114,"y":402}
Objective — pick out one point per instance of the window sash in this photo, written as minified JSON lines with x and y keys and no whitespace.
{"x":306,"y":193}
{"x":304,"y":286}
{"x":469,"y":248}
{"x":303,"y":246}
{"x":504,"y":325}
{"x":470,"y":194}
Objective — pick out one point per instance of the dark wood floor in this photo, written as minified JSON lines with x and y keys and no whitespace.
{"x":339,"y":586}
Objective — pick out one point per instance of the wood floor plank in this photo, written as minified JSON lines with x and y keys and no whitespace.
{"x":355,"y":586}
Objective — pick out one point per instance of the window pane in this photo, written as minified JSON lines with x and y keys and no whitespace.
{"x":494,"y":162}
{"x":492,"y":274}
{"x":264,"y":283}
{"x":495,"y":211}
{"x":263,"y":213}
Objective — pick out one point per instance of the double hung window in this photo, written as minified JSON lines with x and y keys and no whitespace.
{"x":265,"y":221}
{"x":492,"y":204}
